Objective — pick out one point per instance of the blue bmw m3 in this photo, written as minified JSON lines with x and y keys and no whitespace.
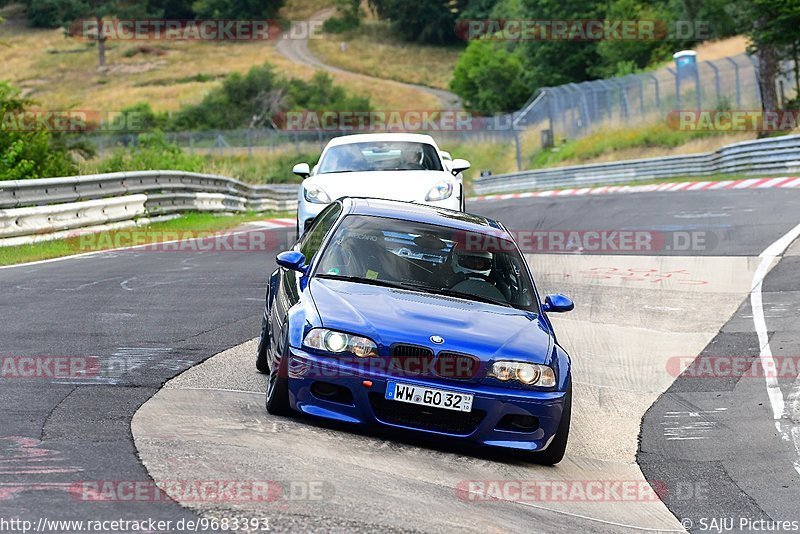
{"x":412,"y":317}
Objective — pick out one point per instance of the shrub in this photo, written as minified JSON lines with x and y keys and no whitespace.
{"x":152,"y":151}
{"x":348,"y":17}
{"x":27,"y":152}
{"x":254,"y":99}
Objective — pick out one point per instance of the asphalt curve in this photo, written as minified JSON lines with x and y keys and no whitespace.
{"x":631,"y":322}
{"x":154,"y":315}
{"x":713,"y":432}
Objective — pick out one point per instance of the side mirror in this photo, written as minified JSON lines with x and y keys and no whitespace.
{"x":302,"y":170}
{"x":557,"y":304}
{"x":293,"y":260}
{"x":460,"y":165}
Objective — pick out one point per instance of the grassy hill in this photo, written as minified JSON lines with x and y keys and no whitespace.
{"x":61,"y":72}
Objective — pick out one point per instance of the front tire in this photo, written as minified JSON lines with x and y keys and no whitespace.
{"x":555,"y":452}
{"x":262,"y":360}
{"x":278,"y":386}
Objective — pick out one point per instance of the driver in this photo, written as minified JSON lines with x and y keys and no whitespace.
{"x":472,"y":271}
{"x":348,"y":158}
{"x":411,"y":157}
{"x":473,"y":262}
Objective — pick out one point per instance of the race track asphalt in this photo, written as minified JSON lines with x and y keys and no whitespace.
{"x":148,"y":316}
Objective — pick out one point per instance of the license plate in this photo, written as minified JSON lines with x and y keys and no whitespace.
{"x":438,"y":398}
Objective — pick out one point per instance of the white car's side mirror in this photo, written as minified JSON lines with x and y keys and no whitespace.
{"x":459,"y":165}
{"x":302,"y":170}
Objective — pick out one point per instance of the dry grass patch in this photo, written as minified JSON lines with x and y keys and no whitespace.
{"x":372,"y":50}
{"x":711,"y":50}
{"x":296,"y":10}
{"x":61,"y":73}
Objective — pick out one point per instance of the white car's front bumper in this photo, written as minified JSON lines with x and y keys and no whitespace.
{"x":308,"y":211}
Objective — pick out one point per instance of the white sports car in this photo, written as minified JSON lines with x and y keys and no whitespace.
{"x":394,"y":166}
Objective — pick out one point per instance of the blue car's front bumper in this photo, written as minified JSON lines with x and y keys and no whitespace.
{"x":486,"y":424}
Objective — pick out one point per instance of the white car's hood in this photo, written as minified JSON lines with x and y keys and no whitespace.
{"x":393,"y":185}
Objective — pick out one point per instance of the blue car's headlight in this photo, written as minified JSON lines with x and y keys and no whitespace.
{"x":530,"y":374}
{"x":338,"y":343}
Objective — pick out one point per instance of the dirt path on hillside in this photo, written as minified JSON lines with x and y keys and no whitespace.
{"x":297,"y":51}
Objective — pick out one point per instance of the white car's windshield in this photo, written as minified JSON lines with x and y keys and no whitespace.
{"x":429,"y":258}
{"x":380,"y":156}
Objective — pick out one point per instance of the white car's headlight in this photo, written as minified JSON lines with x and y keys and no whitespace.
{"x":339,"y":342}
{"x":530,"y":374}
{"x":316,"y":195}
{"x":440,"y":191}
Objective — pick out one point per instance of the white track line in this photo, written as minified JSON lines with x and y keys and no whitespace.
{"x":774,"y":393}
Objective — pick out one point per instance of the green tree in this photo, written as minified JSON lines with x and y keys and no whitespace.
{"x":236,"y":9}
{"x":423,"y":21}
{"x":488,"y":78}
{"x":772,"y":30}
{"x":774,"y":35}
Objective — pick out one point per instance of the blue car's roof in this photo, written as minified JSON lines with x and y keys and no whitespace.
{"x":409,"y":211}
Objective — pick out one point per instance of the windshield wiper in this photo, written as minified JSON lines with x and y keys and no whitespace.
{"x":370,"y":281}
{"x":468,"y":296}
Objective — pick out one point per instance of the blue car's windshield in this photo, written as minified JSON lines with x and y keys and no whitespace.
{"x":426,"y":257}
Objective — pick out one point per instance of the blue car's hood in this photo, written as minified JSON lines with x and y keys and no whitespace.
{"x":390,"y":316}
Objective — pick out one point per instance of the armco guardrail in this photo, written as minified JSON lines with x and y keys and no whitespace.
{"x":50,"y":205}
{"x":776,"y":155}
{"x":70,"y":215}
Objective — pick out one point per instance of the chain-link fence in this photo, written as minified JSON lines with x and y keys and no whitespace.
{"x":566,"y":111}
{"x":263,"y":140}
{"x":575,"y":109}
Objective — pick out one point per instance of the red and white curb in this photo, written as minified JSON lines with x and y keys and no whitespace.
{"x":273,"y":223}
{"x":750,"y":183}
